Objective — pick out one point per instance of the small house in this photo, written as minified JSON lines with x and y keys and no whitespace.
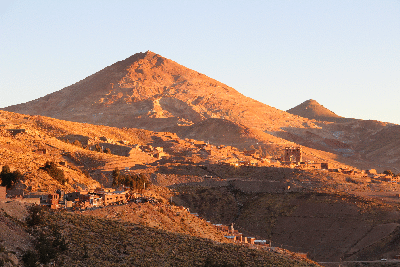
{"x":251,"y":240}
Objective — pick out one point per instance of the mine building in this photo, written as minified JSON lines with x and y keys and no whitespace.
{"x":74,"y":196}
{"x":117,"y":197}
{"x":53,"y":200}
{"x":292,"y":154}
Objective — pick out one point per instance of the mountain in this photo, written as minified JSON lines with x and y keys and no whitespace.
{"x":312,"y":110}
{"x":151,"y":92}
{"x":361,"y":143}
{"x":194,"y":132}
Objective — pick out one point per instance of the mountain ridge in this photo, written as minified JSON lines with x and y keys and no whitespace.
{"x":146,"y":86}
{"x":150,"y":92}
{"x":313,"y":110}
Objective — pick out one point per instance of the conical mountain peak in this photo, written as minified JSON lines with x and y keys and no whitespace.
{"x":152,"y":92}
{"x":311,"y":109}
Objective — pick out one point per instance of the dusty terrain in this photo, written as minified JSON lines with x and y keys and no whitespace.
{"x":216,"y":150}
{"x":134,"y":150}
{"x":361,"y":143}
{"x":256,"y":198}
{"x":327,"y":225}
{"x":95,"y":241}
{"x":151,"y":92}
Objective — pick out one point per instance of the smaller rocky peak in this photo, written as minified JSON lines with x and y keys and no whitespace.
{"x":311,"y":109}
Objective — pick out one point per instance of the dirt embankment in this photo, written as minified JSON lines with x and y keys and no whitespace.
{"x":13,"y":235}
{"x":327,"y":226}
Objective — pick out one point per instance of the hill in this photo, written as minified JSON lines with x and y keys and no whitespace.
{"x":224,"y":193}
{"x":331,"y":217}
{"x":216,"y":149}
{"x":151,"y":92}
{"x":73,"y":145}
{"x":361,"y":143}
{"x":28,"y":142}
{"x":91,"y":241}
{"x":312,"y":110}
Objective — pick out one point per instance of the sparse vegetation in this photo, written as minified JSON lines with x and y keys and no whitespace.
{"x":97,"y":148}
{"x":255,"y":213}
{"x":9,"y":178}
{"x":30,"y":259}
{"x":35,"y":215}
{"x":58,"y":174}
{"x":99,"y":242}
{"x":48,"y":242}
{"x":133,"y":181}
{"x":388,"y":172}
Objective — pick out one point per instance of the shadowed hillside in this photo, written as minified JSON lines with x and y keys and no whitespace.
{"x":102,"y":242}
{"x":327,"y":226}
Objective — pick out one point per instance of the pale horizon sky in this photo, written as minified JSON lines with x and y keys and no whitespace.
{"x":344,"y":54}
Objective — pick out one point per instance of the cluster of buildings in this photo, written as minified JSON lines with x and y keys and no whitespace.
{"x":77,"y":200}
{"x":235,"y":236}
{"x":157,"y":152}
{"x":372,"y":173}
{"x":293,"y":156}
{"x":238,"y":238}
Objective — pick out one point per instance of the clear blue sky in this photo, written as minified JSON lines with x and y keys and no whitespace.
{"x":344,"y":54}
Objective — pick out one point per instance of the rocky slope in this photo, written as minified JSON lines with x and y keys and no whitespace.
{"x":151,"y":92}
{"x":28,"y":142}
{"x":362,"y":143}
{"x":95,"y":241}
{"x":312,"y":110}
{"x":328,"y":216}
{"x":73,"y":145}
{"x":23,"y":140}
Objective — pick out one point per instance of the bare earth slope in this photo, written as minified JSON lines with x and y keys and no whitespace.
{"x":311,"y":109}
{"x":152,"y":92}
{"x":23,"y":138}
{"x":361,"y":143}
{"x":27,"y":142}
{"x":322,"y":214}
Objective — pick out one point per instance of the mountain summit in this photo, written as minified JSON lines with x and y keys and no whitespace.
{"x":311,"y":109}
{"x":149,"y":91}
